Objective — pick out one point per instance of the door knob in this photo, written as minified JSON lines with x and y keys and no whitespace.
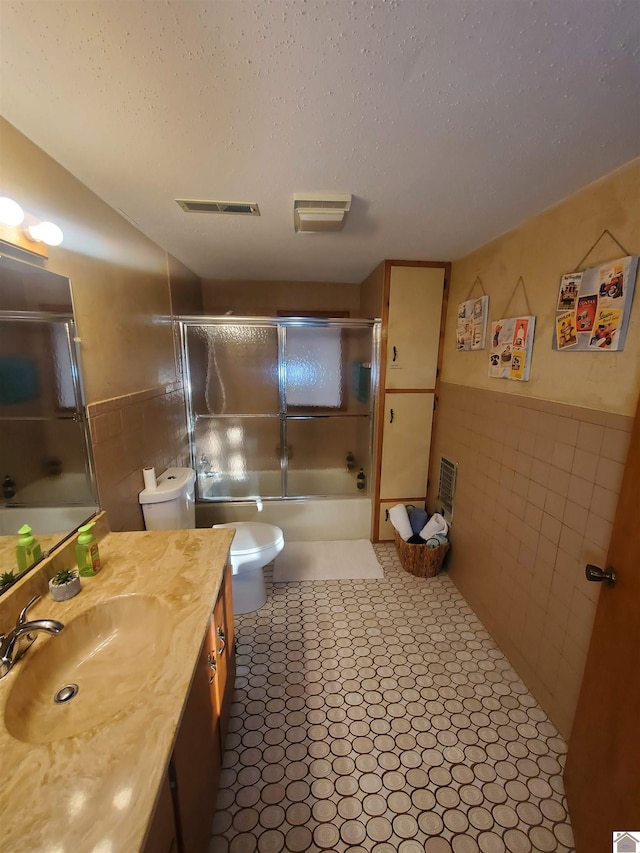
{"x":594,"y":573}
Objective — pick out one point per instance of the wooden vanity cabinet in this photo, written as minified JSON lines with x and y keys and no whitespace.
{"x":195,"y":766}
{"x":162,"y":836}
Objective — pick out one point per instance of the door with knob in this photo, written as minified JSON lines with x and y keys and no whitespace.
{"x":603,"y":764}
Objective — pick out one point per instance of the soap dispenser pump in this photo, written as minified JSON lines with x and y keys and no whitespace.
{"x":87,"y":554}
{"x":28,"y":549}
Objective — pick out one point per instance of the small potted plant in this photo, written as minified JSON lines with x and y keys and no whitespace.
{"x":6,"y":579}
{"x":64,"y":585}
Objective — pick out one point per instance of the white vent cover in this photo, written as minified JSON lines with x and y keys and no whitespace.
{"x":320,"y":212}
{"x":446,"y":486}
{"x":242,"y":208}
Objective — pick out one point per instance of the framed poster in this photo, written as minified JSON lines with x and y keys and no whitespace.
{"x":592,"y":312}
{"x":471,"y":328}
{"x":511,"y":348}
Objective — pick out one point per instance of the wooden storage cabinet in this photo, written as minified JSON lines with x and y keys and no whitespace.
{"x":162,"y":834}
{"x":194,"y":770}
{"x":413,"y":306}
{"x":405,"y":445}
{"x":413,"y":326}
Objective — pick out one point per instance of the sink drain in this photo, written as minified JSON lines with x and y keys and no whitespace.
{"x":66,"y":694}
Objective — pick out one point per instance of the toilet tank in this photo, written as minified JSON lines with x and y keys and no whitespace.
{"x":170,"y":506}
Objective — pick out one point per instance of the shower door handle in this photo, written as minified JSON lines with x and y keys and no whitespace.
{"x":391,"y":416}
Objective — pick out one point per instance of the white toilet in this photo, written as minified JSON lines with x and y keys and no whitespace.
{"x":254,"y":546}
{"x":171,"y":506}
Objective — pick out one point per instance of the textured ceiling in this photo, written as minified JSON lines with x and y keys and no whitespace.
{"x":450,"y":121}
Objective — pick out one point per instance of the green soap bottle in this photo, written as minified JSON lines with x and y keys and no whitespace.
{"x":27,"y":550}
{"x":87,"y":555}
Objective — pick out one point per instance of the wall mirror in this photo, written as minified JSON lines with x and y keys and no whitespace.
{"x":46,"y":471}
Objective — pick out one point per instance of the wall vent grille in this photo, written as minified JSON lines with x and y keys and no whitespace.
{"x":229,"y":207}
{"x":446,"y":486}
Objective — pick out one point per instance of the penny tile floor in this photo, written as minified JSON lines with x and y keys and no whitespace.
{"x":379,"y":715}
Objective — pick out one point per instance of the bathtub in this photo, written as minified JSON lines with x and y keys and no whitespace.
{"x":323,"y":504}
{"x":44,"y":520}
{"x":50,"y":505}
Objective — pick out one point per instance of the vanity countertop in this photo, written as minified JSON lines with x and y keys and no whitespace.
{"x":95,"y":791}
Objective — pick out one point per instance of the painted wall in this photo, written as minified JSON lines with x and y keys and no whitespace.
{"x":540,"y":462}
{"x":540,"y":251}
{"x":124,"y":290}
{"x":118,"y":276}
{"x":266,"y":298}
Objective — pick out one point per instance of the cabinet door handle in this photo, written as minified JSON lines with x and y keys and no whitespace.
{"x":390,"y":416}
{"x":395,"y":353}
{"x":386,"y":515}
{"x":211,"y":660}
{"x":223,"y":641}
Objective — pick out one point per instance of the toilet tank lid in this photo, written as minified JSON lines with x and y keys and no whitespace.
{"x":171,"y":483}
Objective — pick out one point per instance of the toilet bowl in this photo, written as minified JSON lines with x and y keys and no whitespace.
{"x":171,"y":506}
{"x":254,"y":545}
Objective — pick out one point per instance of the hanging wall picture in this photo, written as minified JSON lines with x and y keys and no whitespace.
{"x":592,"y":312}
{"x":511,"y":348}
{"x":471,"y":329}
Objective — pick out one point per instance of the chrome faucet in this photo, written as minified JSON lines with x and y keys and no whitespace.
{"x":16,"y":642}
{"x":205,"y":468}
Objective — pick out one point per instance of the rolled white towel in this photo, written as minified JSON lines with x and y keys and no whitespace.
{"x":400,"y":519}
{"x":436,"y":524}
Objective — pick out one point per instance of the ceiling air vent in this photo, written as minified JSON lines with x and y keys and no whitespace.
{"x":229,"y":207}
{"x":318,"y":212}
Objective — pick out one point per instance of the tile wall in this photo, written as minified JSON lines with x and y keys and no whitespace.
{"x":131,"y":432}
{"x":536,"y":494}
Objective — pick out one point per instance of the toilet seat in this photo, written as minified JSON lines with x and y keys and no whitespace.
{"x":253,"y":537}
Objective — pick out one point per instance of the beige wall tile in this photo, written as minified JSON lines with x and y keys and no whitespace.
{"x":590,"y":437}
{"x":554,"y":504}
{"x":609,"y":474}
{"x":585,"y":464}
{"x":567,"y":431}
{"x":615,"y":444}
{"x":575,"y":517}
{"x":550,"y":528}
{"x":580,"y":491}
{"x":152,"y":432}
{"x":528,"y":536}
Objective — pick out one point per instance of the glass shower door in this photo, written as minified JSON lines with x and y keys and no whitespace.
{"x":327,"y":388}
{"x":235,"y":409}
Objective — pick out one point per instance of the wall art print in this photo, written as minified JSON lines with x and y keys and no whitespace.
{"x":471,"y":328}
{"x":593,"y":308}
{"x":511,"y":348}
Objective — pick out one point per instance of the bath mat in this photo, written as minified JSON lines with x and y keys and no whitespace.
{"x":319,"y":561}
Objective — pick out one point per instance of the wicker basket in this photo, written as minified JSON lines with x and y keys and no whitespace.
{"x":419,"y":560}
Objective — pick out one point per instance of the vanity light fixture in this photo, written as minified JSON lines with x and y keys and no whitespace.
{"x":10,"y":212}
{"x":22,"y":230}
{"x":44,"y":232}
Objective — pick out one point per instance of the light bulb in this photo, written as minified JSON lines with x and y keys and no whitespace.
{"x":10,"y":211}
{"x":46,"y":232}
